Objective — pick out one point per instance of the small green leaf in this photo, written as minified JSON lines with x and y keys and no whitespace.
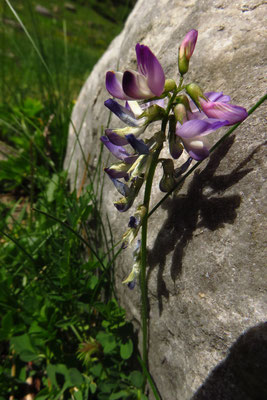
{"x":93,"y":387}
{"x":96,"y":370}
{"x":27,"y":355}
{"x":22,"y":343}
{"x":119,"y":395}
{"x":78,"y":395}
{"x":75,"y":377}
{"x":126,"y":349}
{"x":136,"y":378}
{"x":7,"y":321}
{"x":93,"y":282}
{"x":107,"y":340}
{"x":51,"y":372}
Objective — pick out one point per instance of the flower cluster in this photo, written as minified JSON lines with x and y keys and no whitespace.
{"x":189,"y":113}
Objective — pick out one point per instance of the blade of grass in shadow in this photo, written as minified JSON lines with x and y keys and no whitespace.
{"x":19,"y":246}
{"x":30,"y":38}
{"x":48,"y":161}
{"x":103,"y":275}
{"x":75,"y":233}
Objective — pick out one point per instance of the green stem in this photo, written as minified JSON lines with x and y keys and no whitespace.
{"x":143,"y":280}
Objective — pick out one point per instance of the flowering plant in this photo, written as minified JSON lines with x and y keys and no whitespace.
{"x":190,"y":117}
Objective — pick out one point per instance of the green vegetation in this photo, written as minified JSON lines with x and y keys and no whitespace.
{"x":63,"y":334}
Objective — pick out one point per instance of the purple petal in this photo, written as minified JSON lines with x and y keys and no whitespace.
{"x":138,"y":144}
{"x":188,"y":44}
{"x":226,"y":111}
{"x":135,"y":85}
{"x":130,"y":159}
{"x":112,"y":173}
{"x":199,"y":154}
{"x":131,"y":285}
{"x":217,"y":96}
{"x":199,"y":127}
{"x":149,"y":66}
{"x":115,"y":138}
{"x":132,"y":222}
{"x":123,"y":113}
{"x":159,"y":102}
{"x":118,"y":151}
{"x":121,"y":187}
{"x":114,"y":85}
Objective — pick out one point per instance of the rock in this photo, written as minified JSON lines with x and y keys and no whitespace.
{"x":43,"y":11}
{"x":207,"y":246}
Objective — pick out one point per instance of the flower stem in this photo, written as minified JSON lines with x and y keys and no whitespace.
{"x":143,"y":280}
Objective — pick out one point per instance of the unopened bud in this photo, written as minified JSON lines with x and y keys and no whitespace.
{"x":167,"y":182}
{"x":186,"y":50}
{"x":180,"y":113}
{"x":183,"y":99}
{"x":175,"y":146}
{"x":170,"y":85}
{"x":195,"y":92}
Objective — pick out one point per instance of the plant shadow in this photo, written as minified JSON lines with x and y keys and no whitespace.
{"x":204,"y":205}
{"x":242,"y":375}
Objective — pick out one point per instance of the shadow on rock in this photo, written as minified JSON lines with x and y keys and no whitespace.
{"x":202,"y":206}
{"x":243,"y":374}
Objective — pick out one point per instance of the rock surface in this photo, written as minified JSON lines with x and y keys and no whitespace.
{"x":207,"y":246}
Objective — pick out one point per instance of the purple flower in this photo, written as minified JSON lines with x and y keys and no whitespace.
{"x":222,"y":110}
{"x":193,"y":134}
{"x":125,"y":203}
{"x":125,"y":114}
{"x":118,"y":151}
{"x":136,"y":117}
{"x":118,"y":170}
{"x":145,"y":83}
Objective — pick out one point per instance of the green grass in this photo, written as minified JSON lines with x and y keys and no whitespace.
{"x":71,"y":43}
{"x":61,"y":325}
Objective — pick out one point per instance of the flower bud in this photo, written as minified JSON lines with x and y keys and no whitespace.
{"x":118,"y":170}
{"x":175,"y":146}
{"x":195,"y":92}
{"x":131,"y":279}
{"x":180,"y":113}
{"x":186,"y":50}
{"x":183,"y":99}
{"x":124,"y":203}
{"x":170,"y":85}
{"x":134,"y":225}
{"x":138,"y":166}
{"x":152,"y":113}
{"x":167,"y":182}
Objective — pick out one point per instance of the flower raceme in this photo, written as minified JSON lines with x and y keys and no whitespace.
{"x":145,"y":83}
{"x":188,"y":117}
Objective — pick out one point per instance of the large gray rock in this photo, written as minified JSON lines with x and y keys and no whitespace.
{"x":207,"y":257}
